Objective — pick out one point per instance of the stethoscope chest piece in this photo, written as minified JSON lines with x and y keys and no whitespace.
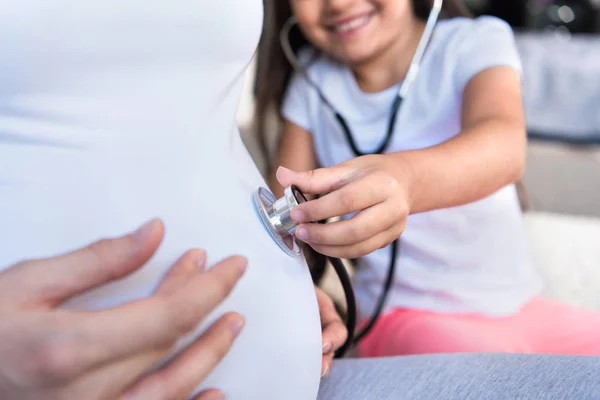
{"x":275,"y":215}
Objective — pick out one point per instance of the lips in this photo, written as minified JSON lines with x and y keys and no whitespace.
{"x":351,"y":24}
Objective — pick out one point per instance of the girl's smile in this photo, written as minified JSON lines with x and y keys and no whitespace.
{"x":348,"y":27}
{"x":366,"y":35}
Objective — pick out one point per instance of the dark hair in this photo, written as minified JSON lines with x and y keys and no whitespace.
{"x":274,"y":71}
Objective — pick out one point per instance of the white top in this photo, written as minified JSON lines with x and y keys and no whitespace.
{"x":471,"y":258}
{"x":113,"y":112}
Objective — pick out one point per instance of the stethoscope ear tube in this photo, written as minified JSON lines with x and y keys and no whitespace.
{"x":351,"y":319}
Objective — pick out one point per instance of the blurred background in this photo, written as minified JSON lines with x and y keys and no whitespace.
{"x":559,"y":43}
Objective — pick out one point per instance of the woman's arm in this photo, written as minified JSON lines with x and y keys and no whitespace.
{"x":295,"y":151}
{"x":488,"y":154}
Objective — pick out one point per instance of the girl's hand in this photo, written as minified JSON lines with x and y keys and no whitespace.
{"x":375,"y":186}
{"x":333,"y":330}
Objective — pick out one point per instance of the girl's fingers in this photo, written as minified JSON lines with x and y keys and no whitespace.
{"x":360,"y":249}
{"x":317,"y":181}
{"x":326,"y":365}
{"x":334,"y":331}
{"x":355,"y":196}
{"x":360,"y":228}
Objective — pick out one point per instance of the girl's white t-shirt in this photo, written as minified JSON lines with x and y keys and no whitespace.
{"x":468,"y":259}
{"x":114,"y":112}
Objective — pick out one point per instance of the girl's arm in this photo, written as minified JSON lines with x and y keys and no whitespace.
{"x":295,"y":152}
{"x":487,"y":155}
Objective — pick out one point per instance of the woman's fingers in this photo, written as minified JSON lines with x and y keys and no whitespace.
{"x":104,"y":336}
{"x":136,"y":343}
{"x":188,"y":265}
{"x":355,"y":196}
{"x":181,"y":376}
{"x":50,"y":282}
{"x":121,"y":374}
{"x":210,"y":395}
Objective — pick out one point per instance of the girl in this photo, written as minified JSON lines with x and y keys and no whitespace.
{"x":444,"y":181}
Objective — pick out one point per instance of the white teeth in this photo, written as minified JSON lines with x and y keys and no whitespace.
{"x":355,"y":23}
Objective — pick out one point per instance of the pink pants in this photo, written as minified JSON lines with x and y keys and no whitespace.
{"x":542,"y":326}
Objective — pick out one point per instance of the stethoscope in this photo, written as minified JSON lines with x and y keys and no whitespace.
{"x":275,"y":213}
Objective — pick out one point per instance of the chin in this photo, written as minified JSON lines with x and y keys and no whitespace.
{"x":354,"y":53}
{"x":357,"y":58}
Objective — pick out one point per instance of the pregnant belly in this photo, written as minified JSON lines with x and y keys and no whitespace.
{"x":278,"y":355}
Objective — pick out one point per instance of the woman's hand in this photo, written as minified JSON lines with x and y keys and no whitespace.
{"x":366,"y":185}
{"x":52,"y":353}
{"x":334,"y":330}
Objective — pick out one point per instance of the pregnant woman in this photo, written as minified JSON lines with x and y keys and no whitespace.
{"x":113,"y":113}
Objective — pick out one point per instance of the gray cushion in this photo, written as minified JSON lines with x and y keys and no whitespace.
{"x":561,"y":86}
